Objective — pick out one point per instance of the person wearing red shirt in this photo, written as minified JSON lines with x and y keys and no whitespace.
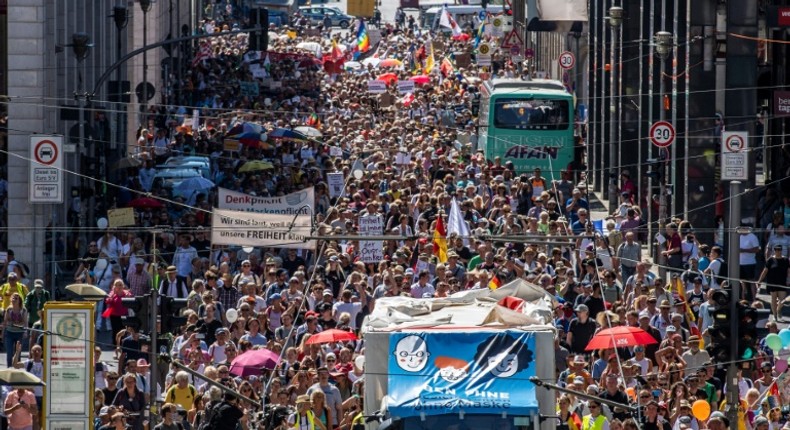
{"x":115,"y":309}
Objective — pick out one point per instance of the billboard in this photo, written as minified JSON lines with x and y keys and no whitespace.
{"x":478,"y":372}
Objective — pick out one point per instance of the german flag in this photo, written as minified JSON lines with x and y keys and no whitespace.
{"x":440,"y":240}
{"x":494,"y":283}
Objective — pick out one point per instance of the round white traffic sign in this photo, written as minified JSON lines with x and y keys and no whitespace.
{"x":662,"y":134}
{"x":567,"y":60}
{"x":734,"y":143}
{"x":46,"y":152}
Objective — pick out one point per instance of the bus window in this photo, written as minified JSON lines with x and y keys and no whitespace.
{"x":531,"y":114}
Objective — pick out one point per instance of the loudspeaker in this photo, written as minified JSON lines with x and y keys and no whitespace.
{"x":259,"y":40}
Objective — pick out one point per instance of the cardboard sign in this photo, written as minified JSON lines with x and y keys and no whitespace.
{"x":406,"y":86}
{"x":335,"y":182}
{"x":120,"y":217}
{"x":371,"y":251}
{"x":377,"y":87}
{"x":463,"y":60}
{"x":231,"y":145}
{"x":374,"y":36}
{"x":386,"y":100}
{"x":312,"y":32}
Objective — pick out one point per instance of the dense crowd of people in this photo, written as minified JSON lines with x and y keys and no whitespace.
{"x":418,"y":158}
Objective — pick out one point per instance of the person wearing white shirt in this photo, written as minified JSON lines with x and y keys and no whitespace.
{"x":183,"y":256}
{"x":749,"y":247}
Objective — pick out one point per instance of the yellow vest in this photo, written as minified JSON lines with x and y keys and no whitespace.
{"x":589,"y":424}
{"x":310,"y":417}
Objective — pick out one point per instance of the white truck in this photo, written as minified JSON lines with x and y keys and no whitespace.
{"x":460,"y":364}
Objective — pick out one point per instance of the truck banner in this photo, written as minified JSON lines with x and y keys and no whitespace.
{"x":480,"y":373}
{"x":289,"y":204}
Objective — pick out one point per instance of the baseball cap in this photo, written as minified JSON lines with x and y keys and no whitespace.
{"x":582,"y":308}
{"x":327,"y":292}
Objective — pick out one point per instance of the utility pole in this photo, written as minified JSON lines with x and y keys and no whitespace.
{"x":615,"y":20}
{"x":663,"y":42}
{"x":733,"y":250}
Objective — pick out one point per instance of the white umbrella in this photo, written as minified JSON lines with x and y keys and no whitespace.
{"x":313,"y":47}
{"x":308,"y":131}
{"x":19,"y":378}
{"x":371,"y":61}
{"x":352,"y":65}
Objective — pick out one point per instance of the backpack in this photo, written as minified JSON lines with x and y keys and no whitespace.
{"x":721,"y":276}
{"x":210,"y":418}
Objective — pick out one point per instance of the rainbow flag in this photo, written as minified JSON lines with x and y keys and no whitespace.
{"x":363,"y":41}
{"x":440,"y":240}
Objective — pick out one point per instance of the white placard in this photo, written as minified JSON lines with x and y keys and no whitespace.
{"x":734,"y":156}
{"x":371,"y":251}
{"x":402,"y":157}
{"x":335,"y":182}
{"x":46,"y":169}
{"x":305,"y":153}
{"x":195,"y":120}
{"x":261,"y":229}
{"x":335,"y":151}
{"x":377,"y":87}
{"x":483,"y":60}
{"x":406,"y":86}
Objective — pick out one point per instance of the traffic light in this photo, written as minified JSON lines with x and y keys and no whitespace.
{"x":719,"y":331}
{"x":170,"y":310}
{"x":655,"y":169}
{"x":141,"y":317}
{"x":747,"y":332}
{"x":259,"y":40}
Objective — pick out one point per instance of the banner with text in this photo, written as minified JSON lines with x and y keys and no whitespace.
{"x":371,"y":251}
{"x":477,"y":372}
{"x":256,"y":229}
{"x":301,"y":202}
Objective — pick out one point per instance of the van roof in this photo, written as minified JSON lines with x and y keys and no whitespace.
{"x":544,"y":85}
{"x":465,"y":9}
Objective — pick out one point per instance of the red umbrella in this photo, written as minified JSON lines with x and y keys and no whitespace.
{"x":145,"y":202}
{"x":389,"y":78}
{"x":620,"y":336}
{"x":332,"y":335}
{"x":420,"y":79}
{"x":252,"y":361}
{"x":462,"y":36}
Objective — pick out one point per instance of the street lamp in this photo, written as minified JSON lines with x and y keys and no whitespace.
{"x":80,"y":45}
{"x":615,"y":21}
{"x":120,"y":16}
{"x":145,"y":6}
{"x":663,"y":44}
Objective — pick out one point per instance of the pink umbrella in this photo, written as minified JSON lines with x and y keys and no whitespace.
{"x":390,"y":62}
{"x":253,"y":361}
{"x":332,"y":335}
{"x":420,"y":79}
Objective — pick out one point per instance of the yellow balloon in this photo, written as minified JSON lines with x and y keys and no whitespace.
{"x":701,"y":410}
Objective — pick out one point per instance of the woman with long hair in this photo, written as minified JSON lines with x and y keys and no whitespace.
{"x":132,"y":400}
{"x":14,"y":324}
{"x":319,"y":408}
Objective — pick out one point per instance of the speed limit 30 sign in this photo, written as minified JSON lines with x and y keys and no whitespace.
{"x":662,"y":134}
{"x":567,"y":60}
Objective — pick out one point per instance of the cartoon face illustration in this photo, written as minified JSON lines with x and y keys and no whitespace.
{"x":503,"y":365}
{"x":452,"y":369}
{"x":502,"y":356}
{"x":412,"y":353}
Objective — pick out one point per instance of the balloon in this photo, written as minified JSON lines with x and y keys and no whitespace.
{"x":232,"y":315}
{"x":248,"y":249}
{"x":701,"y":410}
{"x":360,"y":362}
{"x":780,"y":365}
{"x":785,"y":335}
{"x":631,"y":392}
{"x":102,"y":223}
{"x":774,"y":342}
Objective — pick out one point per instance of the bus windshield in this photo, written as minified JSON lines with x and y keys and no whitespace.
{"x":531,"y":114}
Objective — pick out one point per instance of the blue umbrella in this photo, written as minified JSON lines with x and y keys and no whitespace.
{"x":287,"y":134}
{"x":192,"y":185}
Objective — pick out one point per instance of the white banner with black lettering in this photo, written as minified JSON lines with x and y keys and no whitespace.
{"x":289,"y":204}
{"x":371,"y":251}
{"x":256,"y":229}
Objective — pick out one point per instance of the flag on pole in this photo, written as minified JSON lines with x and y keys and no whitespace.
{"x":446,"y":67}
{"x":494,"y":283}
{"x":440,"y":240}
{"x":480,"y":32}
{"x":363,"y":41}
{"x":692,"y":320}
{"x":430,"y":61}
{"x":447,"y":21}
{"x":456,"y":223}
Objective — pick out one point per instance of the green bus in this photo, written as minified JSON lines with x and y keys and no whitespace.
{"x":528,"y":122}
